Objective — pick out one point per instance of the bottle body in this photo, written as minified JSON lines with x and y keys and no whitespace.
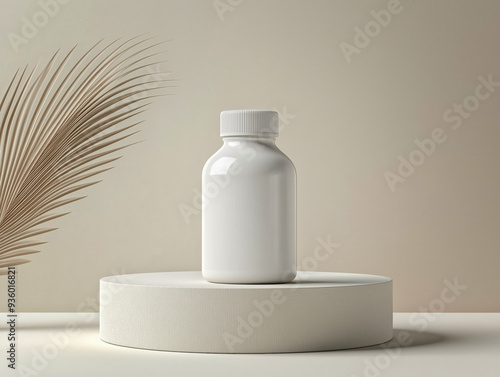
{"x":249,"y":213}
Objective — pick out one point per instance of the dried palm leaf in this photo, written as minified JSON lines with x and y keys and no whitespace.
{"x":60,"y":128}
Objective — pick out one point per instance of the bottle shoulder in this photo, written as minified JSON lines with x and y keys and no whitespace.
{"x":252,"y":157}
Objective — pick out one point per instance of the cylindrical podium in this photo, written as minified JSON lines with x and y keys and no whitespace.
{"x":180,"y":311}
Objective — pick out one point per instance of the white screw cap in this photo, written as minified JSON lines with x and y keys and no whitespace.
{"x":249,"y":122}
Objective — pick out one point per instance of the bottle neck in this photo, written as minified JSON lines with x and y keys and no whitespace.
{"x":237,"y":139}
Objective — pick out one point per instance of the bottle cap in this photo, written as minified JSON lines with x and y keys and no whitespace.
{"x":249,"y":122}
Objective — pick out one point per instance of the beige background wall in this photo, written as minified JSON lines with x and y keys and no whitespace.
{"x":345,"y":127}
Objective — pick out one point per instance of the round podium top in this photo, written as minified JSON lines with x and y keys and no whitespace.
{"x":194,"y":279}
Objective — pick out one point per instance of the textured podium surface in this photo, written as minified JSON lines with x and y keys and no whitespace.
{"x":180,"y":311}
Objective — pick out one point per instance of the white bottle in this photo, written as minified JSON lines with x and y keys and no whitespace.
{"x":249,"y":204}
